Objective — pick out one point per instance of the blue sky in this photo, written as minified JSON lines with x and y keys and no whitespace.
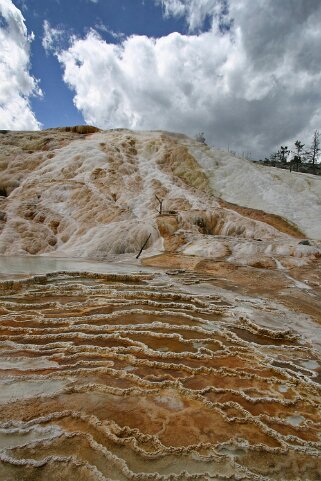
{"x":246,"y":73}
{"x":76,"y":17}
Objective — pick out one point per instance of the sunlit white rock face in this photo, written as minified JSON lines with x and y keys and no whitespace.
{"x":294,"y":196}
{"x":94,"y":195}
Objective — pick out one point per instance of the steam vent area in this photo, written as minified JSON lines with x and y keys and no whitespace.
{"x":201,"y":359}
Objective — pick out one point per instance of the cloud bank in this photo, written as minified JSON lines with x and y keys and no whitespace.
{"x":16,"y":83}
{"x":251,"y":80}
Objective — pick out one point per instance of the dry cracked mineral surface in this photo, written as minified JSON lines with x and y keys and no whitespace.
{"x":201,"y":360}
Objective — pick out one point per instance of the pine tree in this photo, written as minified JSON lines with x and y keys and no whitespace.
{"x":284,"y":152}
{"x":200,"y":137}
{"x":274,"y":158}
{"x":314,"y":150}
{"x":298,"y":154}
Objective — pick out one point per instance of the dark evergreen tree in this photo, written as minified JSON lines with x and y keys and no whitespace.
{"x":200,"y":137}
{"x":314,"y":150}
{"x":274,"y":158}
{"x":298,"y":154}
{"x":284,"y":152}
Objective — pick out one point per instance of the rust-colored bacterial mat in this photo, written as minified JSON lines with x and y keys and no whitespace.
{"x":130,"y":377}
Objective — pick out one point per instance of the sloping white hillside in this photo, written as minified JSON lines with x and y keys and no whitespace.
{"x":95,"y":195}
{"x":294,"y":196}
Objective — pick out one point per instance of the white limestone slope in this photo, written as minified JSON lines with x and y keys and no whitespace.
{"x":92,"y":197}
{"x":95,"y":196}
{"x":294,"y":196}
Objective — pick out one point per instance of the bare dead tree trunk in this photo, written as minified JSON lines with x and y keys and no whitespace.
{"x":143,"y":246}
{"x":160,"y":204}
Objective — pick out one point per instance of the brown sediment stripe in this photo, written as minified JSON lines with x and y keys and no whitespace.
{"x":143,"y":384}
{"x":276,"y":221}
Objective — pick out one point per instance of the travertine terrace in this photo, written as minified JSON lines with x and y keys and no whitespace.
{"x":93,"y":195}
{"x":200,"y":362}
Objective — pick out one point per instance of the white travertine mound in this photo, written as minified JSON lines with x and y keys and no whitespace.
{"x":294,"y":196}
{"x":84,"y":194}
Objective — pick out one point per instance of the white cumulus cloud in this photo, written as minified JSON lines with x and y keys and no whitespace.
{"x":16,"y":83}
{"x":253,"y":85}
{"x":52,"y":37}
{"x":195,"y":11}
